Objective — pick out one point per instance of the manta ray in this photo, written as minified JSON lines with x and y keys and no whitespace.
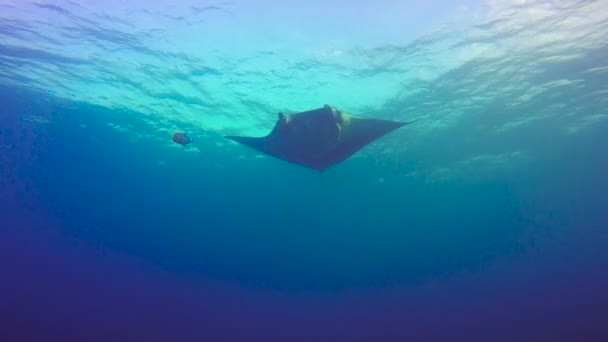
{"x":319,"y":138}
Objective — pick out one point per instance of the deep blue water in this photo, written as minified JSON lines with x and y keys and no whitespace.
{"x":100,"y":241}
{"x":483,"y":221}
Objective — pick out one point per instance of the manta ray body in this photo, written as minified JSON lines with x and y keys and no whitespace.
{"x":319,"y":138}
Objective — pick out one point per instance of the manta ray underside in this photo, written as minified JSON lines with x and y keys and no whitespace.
{"x":319,"y":138}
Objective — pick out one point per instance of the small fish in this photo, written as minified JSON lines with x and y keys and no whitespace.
{"x":181,"y":138}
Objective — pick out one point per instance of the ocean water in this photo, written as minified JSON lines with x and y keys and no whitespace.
{"x":486,"y":220}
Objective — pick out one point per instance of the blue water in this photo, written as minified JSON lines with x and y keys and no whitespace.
{"x":483,"y":221}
